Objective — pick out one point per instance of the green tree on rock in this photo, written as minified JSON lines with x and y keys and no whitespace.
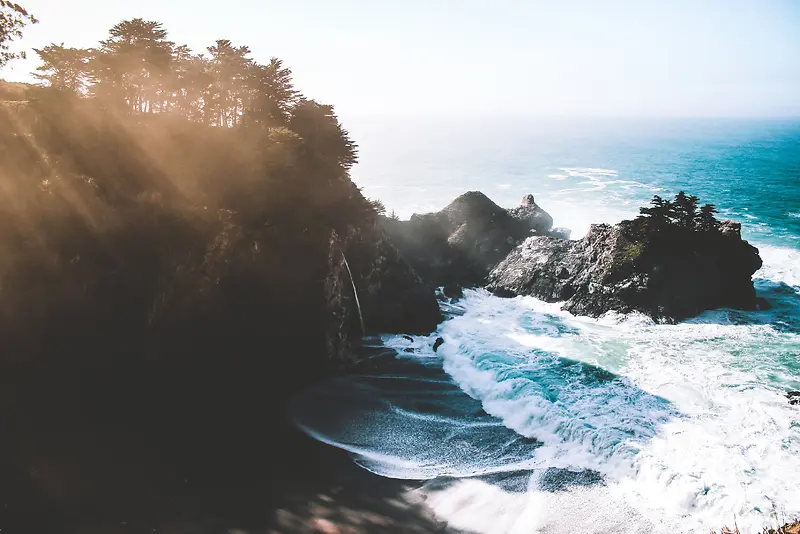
{"x":685,"y":210}
{"x":660,"y":213}
{"x":706,"y":222}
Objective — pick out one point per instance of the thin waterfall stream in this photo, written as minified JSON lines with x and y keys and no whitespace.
{"x":355,"y":293}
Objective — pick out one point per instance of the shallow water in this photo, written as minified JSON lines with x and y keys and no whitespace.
{"x":530,"y":419}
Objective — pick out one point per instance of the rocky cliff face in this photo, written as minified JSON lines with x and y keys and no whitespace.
{"x":392,"y":297}
{"x":461,"y":243}
{"x":668,"y":275}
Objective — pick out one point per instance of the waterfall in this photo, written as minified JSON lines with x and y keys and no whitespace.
{"x":355,"y":292}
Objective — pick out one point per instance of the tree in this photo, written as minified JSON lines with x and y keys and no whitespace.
{"x":660,"y":214}
{"x":230,"y":68}
{"x":13,"y":18}
{"x":706,"y":222}
{"x":63,"y":68}
{"x":685,"y":210}
{"x":189,"y":84}
{"x":136,"y":57}
{"x":273,"y":94}
{"x":324,"y":138}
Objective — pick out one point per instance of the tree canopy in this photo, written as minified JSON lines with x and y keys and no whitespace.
{"x":680,"y":213}
{"x":137,"y":68}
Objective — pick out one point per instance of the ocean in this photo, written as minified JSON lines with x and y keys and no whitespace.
{"x":529,"y":419}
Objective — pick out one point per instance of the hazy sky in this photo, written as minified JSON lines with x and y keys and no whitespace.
{"x":487,"y":58}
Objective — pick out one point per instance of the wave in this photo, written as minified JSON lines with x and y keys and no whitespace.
{"x":709,"y":386}
{"x":587,"y":172}
{"x":781,"y":265}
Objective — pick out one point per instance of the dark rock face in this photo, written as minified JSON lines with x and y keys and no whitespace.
{"x":461,"y":243}
{"x":794,"y":397}
{"x":453,"y":291}
{"x":392,"y":297}
{"x":621,"y":268}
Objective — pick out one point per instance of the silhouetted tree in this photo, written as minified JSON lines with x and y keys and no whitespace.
{"x":231,"y":69}
{"x":660,"y":213}
{"x":682,"y":213}
{"x":136,"y":59}
{"x":685,"y":210}
{"x":13,"y":18}
{"x":706,"y":222}
{"x":273,"y":94}
{"x":325,"y":140}
{"x":63,"y":68}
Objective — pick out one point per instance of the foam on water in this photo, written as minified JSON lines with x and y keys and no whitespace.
{"x":781,"y":265}
{"x":707,"y":386}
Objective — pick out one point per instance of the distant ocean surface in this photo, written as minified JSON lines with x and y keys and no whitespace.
{"x":529,"y":419}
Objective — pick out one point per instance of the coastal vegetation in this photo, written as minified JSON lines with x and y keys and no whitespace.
{"x":680,"y":213}
{"x":171,"y":228}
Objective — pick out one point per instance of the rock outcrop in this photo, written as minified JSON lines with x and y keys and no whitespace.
{"x":461,"y":243}
{"x":392,"y":297}
{"x":668,"y":275}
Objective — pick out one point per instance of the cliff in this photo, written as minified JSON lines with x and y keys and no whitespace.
{"x":166,"y":286}
{"x":461,"y":243}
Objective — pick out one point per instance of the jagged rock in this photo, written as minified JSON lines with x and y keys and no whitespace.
{"x":408,"y":338}
{"x":560,"y":232}
{"x":438,"y":343}
{"x":532,"y":216}
{"x":794,"y":397}
{"x":729,"y":228}
{"x":453,"y":291}
{"x":461,"y":243}
{"x":667,"y":276}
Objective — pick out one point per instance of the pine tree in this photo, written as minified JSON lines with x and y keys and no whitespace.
{"x":660,"y":213}
{"x":63,"y":68}
{"x":230,"y":68}
{"x":706,"y":222}
{"x":685,"y":208}
{"x":136,"y":58}
{"x":273,"y":94}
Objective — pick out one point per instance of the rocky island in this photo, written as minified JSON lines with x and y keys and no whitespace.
{"x":672,"y":262}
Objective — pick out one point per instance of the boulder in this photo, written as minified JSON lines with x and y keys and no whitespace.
{"x":669,"y":276}
{"x":453,"y":291}
{"x":461,"y":243}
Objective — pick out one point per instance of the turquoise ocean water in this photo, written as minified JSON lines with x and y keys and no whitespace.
{"x":529,"y":419}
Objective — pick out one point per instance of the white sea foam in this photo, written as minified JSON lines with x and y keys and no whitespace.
{"x":780,"y":265}
{"x":723,"y":441}
{"x":588,"y":172}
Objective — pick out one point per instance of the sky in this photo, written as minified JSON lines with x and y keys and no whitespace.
{"x":493,"y":58}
